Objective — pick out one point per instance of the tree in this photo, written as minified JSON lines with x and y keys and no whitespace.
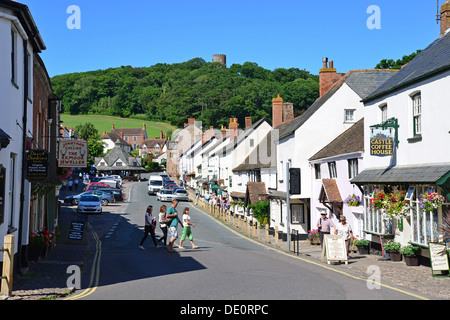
{"x":88,"y":132}
{"x":391,"y":64}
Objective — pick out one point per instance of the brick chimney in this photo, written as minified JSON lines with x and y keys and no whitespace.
{"x":288,"y":112}
{"x":113,"y":125}
{"x":277,"y":111}
{"x":223,"y":132}
{"x":191,"y":121}
{"x":445,"y":17}
{"x":248,"y":122}
{"x":328,"y":77}
{"x":234,"y":126}
{"x":161,"y":135}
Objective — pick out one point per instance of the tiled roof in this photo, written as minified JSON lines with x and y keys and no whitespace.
{"x":352,"y":140}
{"x":431,"y":61}
{"x":331,"y":190}
{"x":361,"y":81}
{"x":256,"y":192}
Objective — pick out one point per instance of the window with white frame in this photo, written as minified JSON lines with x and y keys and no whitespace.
{"x":349,"y":115}
{"x":317,"y":170}
{"x":417,"y":114}
{"x":352,"y":168}
{"x":332,"y":169}
{"x":298,"y":213}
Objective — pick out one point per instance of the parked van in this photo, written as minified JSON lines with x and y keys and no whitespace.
{"x":112,"y":183}
{"x":155,"y":183}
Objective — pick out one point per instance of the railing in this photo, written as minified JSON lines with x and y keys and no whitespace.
{"x":246,"y":225}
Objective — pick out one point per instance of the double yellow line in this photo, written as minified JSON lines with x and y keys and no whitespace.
{"x":95,"y":271}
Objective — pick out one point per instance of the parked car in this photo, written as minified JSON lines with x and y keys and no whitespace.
{"x":105,"y":198}
{"x":181,"y":194}
{"x":111,"y":182}
{"x":165,"y":195}
{"x":171,"y":186}
{"x":97,"y":185}
{"x":89,"y":204}
{"x":117,"y":193}
{"x":167,"y":182}
{"x":155,"y":183}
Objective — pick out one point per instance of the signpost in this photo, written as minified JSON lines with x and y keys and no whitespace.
{"x":37,"y":165}
{"x":335,"y":248}
{"x":439,"y":259}
{"x":72,"y":154}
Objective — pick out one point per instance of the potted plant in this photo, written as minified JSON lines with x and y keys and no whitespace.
{"x":431,"y":201}
{"x":411,"y":254}
{"x":39,"y":243}
{"x":377,"y":201}
{"x":362,"y":244}
{"x":353,"y":201}
{"x":313,"y":236}
{"x":393,"y":249}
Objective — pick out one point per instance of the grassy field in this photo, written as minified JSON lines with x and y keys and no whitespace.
{"x":103,"y":123}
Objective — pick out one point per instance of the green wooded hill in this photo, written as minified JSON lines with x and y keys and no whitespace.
{"x":194,"y":89}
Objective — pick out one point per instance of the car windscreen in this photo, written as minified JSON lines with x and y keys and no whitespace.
{"x":89,"y":199}
{"x":156,"y":183}
{"x":167,"y":191}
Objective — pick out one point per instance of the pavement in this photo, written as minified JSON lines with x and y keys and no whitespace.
{"x":47,"y":278}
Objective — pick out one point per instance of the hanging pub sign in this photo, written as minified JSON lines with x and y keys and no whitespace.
{"x":72,"y":154}
{"x":37,"y":165}
{"x":382,"y":142}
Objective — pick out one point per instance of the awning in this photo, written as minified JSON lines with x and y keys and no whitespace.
{"x":438,"y":174}
{"x":4,"y":139}
{"x":330,"y":192}
{"x":403,"y":174}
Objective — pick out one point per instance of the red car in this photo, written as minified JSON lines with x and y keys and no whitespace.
{"x":171,"y":186}
{"x":97,"y":185}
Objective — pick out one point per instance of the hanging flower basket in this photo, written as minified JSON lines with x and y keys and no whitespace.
{"x":395,"y":205}
{"x":377,"y":201}
{"x":431,"y":201}
{"x":353,"y":201}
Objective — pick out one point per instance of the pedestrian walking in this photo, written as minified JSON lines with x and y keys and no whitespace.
{"x":172,"y":213}
{"x":76,"y":183}
{"x":187,"y":229}
{"x":70,"y":184}
{"x":163,"y":224}
{"x":343,"y":228}
{"x":324,"y":225}
{"x":150,"y":224}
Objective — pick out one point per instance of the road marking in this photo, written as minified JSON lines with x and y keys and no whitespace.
{"x":303,"y":259}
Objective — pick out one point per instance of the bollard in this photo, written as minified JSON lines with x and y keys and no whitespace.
{"x":239,"y":223}
{"x":8,"y":268}
{"x":276,"y":236}
{"x":258,"y":231}
{"x":254,"y":229}
{"x":267,"y":233}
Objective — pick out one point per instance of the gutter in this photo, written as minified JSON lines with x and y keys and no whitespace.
{"x":16,"y":23}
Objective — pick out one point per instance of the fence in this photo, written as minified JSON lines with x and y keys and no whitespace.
{"x":246,"y":225}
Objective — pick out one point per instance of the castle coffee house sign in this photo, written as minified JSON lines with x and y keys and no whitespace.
{"x":382,"y":142}
{"x":72,"y":154}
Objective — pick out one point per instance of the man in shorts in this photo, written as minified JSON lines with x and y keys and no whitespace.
{"x":172,"y":213}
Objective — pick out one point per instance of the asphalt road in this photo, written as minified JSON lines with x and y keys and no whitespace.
{"x":227,"y":266}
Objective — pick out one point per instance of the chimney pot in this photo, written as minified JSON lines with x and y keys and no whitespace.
{"x":445,"y":18}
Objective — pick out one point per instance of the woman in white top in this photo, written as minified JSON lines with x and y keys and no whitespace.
{"x":344,"y":229}
{"x":150,"y":224}
{"x":163,"y":224}
{"x":187,"y":229}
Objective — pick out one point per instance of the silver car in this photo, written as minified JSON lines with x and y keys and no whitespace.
{"x":165,"y":195}
{"x":89,"y":204}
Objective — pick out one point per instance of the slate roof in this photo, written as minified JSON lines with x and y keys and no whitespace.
{"x":361,"y":81}
{"x":117,"y":153}
{"x":430,"y":173}
{"x":352,"y":140}
{"x":115,"y":138}
{"x":431,"y":61}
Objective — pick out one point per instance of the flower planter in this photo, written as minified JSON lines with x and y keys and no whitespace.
{"x":363,"y":249}
{"x":395,"y":256}
{"x":412,"y":261}
{"x":314,"y":241}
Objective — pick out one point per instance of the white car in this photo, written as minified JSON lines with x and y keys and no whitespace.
{"x":155,"y":184}
{"x":165,"y":195}
{"x":89,"y":204}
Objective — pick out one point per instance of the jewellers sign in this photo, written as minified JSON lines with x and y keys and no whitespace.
{"x":381,"y":142}
{"x":72,"y":154}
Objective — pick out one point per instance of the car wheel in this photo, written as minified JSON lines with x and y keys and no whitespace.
{"x":104,"y":202}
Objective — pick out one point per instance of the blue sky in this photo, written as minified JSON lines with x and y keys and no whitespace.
{"x":274,"y":34}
